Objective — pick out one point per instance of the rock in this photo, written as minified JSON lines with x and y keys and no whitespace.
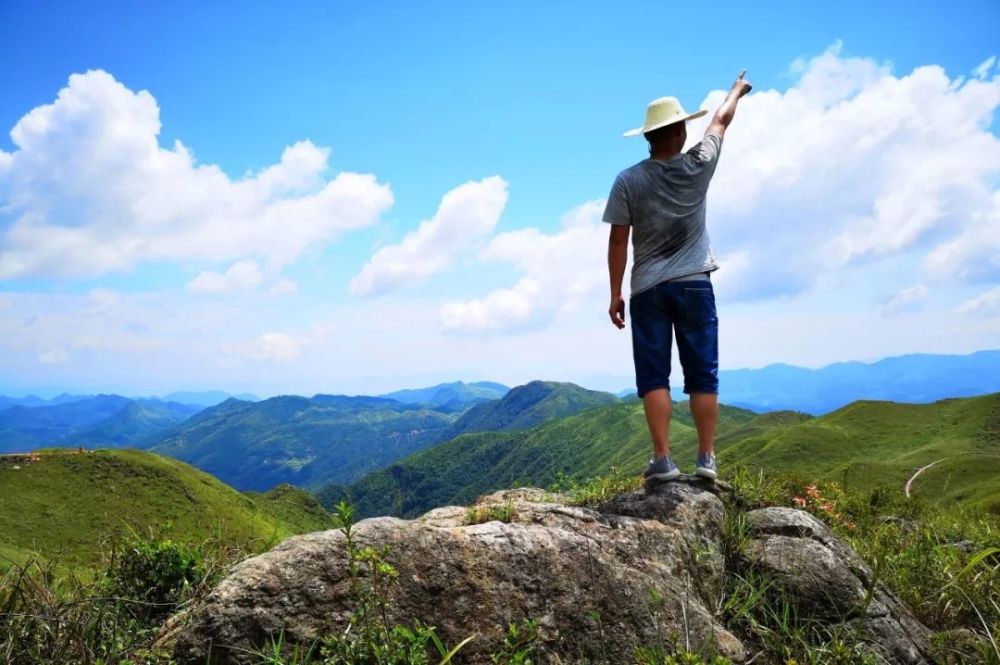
{"x":902,"y":522}
{"x":585,"y":573}
{"x":827,"y":581}
{"x":966,"y":546}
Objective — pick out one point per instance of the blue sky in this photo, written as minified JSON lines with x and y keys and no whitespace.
{"x":523,"y":105}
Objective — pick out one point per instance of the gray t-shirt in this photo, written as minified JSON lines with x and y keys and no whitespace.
{"x":664,"y":201}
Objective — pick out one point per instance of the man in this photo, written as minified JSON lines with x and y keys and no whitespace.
{"x":663,"y":199}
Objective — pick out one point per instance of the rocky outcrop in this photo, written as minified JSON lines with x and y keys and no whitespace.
{"x":827,"y":581}
{"x":638,"y":569}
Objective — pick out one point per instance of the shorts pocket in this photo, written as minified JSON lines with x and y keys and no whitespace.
{"x":699,"y":305}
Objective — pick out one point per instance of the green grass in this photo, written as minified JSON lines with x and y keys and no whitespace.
{"x":881,"y":444}
{"x":865,"y":444}
{"x":70,"y":506}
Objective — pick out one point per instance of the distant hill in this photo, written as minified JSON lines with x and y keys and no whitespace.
{"x":883,"y":443}
{"x":61,"y":503}
{"x":529,"y":405}
{"x":919,"y":378}
{"x":35,"y":400}
{"x":454,"y":396}
{"x":302,"y":441}
{"x":582,"y":445}
{"x":207,"y":397}
{"x":876,"y":443}
{"x":96,"y":421}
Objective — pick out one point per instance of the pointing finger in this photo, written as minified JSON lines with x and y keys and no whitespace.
{"x":742,"y":73}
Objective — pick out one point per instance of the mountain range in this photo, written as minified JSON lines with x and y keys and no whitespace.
{"x":311,"y":442}
{"x":917,"y":378}
{"x":866,"y":444}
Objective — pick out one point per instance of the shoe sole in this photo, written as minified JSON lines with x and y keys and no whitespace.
{"x":668,"y":475}
{"x":705,"y":473}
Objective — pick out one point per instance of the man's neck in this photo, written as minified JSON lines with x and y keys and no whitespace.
{"x":664,"y":155}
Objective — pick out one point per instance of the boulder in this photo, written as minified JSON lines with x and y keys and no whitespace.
{"x":643,"y":568}
{"x":826,"y":580}
{"x":585,"y":574}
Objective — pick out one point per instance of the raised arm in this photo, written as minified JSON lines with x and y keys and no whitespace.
{"x":724,"y":116}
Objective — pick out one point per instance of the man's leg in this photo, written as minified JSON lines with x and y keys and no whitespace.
{"x":705,"y":409}
{"x":656,"y":403}
{"x":698,"y":348}
{"x":652,"y":336}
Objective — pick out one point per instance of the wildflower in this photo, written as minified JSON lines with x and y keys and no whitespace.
{"x":799,"y":501}
{"x":812,"y":491}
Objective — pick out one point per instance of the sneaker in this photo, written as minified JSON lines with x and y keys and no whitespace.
{"x":661,"y":469}
{"x":706,"y":466}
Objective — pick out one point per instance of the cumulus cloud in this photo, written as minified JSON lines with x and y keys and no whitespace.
{"x":560,"y":271}
{"x":53,"y":357}
{"x":271,"y":347}
{"x":985,"y":303}
{"x":282,"y":286}
{"x":855,"y":164}
{"x":467,"y":214}
{"x":905,"y":300}
{"x":240,"y":275}
{"x":88,"y":190}
{"x":851,"y":164}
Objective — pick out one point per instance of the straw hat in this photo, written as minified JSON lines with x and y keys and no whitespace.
{"x":662,"y":112}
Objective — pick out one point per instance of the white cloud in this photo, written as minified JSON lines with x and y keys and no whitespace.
{"x":53,"y":356}
{"x":561,"y":270}
{"x":89,"y":191}
{"x":985,"y":303}
{"x":851,"y":165}
{"x":984,"y":68}
{"x":855,"y":164}
{"x":241,"y":275}
{"x":269,"y":347}
{"x":282,"y":286}
{"x":905,"y":300}
{"x":467,"y":214}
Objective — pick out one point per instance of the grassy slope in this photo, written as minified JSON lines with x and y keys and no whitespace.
{"x":457,"y":471}
{"x":64,"y":502}
{"x":875,"y":443}
{"x":306,"y":442}
{"x":529,"y":405}
{"x":883,"y":443}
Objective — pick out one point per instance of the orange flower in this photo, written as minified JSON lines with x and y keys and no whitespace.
{"x":799,"y":501}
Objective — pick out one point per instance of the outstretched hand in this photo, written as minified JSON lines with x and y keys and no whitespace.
{"x":740,"y":85}
{"x":617,"y":311}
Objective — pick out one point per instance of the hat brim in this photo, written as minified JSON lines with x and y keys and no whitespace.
{"x":642,"y":130}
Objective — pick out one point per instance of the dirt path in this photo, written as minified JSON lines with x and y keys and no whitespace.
{"x":916,"y":473}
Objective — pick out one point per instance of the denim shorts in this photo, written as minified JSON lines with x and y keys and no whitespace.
{"x":684,"y":308}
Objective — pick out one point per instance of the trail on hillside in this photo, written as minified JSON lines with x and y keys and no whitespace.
{"x":916,"y":473}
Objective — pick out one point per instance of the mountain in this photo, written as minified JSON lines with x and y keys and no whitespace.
{"x":919,"y":378}
{"x":528,"y":405}
{"x":35,"y":400}
{"x":96,"y":421}
{"x":302,"y":441}
{"x":582,"y":445}
{"x":873,"y":444}
{"x":62,"y":503}
{"x":207,"y":397}
{"x":455,"y":396}
{"x":876,"y":443}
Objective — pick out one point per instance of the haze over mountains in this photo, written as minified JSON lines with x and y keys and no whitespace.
{"x":331,"y":441}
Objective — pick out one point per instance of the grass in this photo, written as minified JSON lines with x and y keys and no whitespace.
{"x":71,"y":506}
{"x":871,"y":444}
